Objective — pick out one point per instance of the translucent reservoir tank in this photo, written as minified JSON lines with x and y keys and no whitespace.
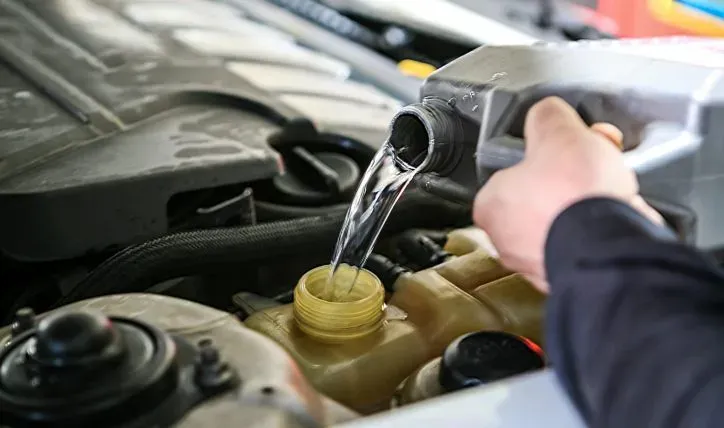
{"x":358,"y":351}
{"x":355,"y":351}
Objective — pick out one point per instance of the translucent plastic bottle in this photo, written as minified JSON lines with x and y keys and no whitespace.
{"x":471,"y":360}
{"x":469,"y":239}
{"x":519,"y":305}
{"x":358,"y":350}
{"x":478,"y":272}
{"x":442,"y":310}
{"x":355,"y":351}
{"x":356,"y":315}
{"x":470,"y":292}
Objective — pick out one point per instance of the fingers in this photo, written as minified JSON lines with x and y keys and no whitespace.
{"x":539,"y":283}
{"x":639,"y":204}
{"x":553,"y":122}
{"x":610,"y":132}
{"x":614,"y":135}
{"x":482,"y":201}
{"x":489,"y":195}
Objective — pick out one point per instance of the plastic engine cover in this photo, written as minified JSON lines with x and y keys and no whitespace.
{"x":110,"y":107}
{"x":265,"y":389}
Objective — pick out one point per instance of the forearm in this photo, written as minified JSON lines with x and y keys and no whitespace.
{"x":635,"y":320}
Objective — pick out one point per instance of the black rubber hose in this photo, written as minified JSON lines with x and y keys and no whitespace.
{"x":332,"y":20}
{"x":386,"y":270}
{"x":193,"y":253}
{"x":420,"y":250}
{"x":367,"y":64}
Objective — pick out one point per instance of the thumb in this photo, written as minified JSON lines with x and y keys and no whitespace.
{"x":610,"y":132}
{"x":640,"y":204}
{"x":553,"y":121}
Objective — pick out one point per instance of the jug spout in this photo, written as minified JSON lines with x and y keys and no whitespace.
{"x":424,"y":137}
{"x":430,"y":137}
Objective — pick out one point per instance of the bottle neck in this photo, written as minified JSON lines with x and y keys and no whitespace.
{"x":355,"y":315}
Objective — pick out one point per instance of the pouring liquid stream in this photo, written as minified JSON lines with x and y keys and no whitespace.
{"x":381,"y":187}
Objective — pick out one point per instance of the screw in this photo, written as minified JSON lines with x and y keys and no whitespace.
{"x":208,"y":354}
{"x":212,"y":374}
{"x":24,"y":321}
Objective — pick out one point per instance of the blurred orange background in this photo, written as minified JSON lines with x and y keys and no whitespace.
{"x":650,"y":18}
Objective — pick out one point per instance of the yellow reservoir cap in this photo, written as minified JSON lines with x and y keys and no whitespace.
{"x":416,"y":68}
{"x":358,"y":314}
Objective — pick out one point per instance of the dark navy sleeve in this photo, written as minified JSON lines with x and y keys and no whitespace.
{"x":635,"y":320}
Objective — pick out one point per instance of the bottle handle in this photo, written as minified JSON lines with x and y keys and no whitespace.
{"x":661,"y":143}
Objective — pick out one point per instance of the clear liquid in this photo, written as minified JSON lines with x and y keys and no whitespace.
{"x":382,"y":185}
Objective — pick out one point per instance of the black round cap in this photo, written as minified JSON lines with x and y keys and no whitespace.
{"x":76,"y":338}
{"x":316,"y":178}
{"x":82,"y":368}
{"x":478,"y":358}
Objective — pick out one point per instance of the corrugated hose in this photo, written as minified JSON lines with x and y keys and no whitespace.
{"x":139,"y":267}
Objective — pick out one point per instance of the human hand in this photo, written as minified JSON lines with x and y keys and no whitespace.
{"x":565,"y":162}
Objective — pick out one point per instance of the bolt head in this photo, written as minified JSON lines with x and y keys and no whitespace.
{"x":209,"y":355}
{"x":24,"y":320}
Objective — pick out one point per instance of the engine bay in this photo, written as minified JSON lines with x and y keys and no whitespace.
{"x":173,"y":125}
{"x":169,"y":173}
{"x":174,"y":176}
{"x":453,"y":318}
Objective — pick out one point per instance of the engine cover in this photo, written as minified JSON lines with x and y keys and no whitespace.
{"x":138,"y":360}
{"x":108,"y":108}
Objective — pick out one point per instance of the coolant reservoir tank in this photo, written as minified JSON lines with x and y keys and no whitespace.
{"x":471,"y":360}
{"x":519,"y":304}
{"x":470,"y":293}
{"x":358,"y":350}
{"x":479,"y":272}
{"x":355,"y":350}
{"x":469,"y":239}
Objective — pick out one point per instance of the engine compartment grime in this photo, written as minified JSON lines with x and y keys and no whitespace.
{"x":208,"y":343}
{"x":355,"y":358}
{"x":309,"y":363}
{"x":171,"y":198}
